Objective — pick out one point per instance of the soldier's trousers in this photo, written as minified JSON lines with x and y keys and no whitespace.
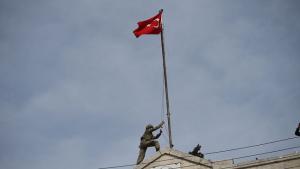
{"x":143,"y":148}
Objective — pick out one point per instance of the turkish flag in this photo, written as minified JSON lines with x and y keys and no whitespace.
{"x":152,"y":25}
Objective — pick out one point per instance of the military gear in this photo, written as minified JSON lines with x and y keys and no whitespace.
{"x":148,"y":140}
{"x":196,"y":151}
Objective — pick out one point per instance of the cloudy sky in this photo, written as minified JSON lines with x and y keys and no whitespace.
{"x":77,"y":88}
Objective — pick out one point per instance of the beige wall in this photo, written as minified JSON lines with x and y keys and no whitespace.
{"x":171,"y":159}
{"x":184,"y":164}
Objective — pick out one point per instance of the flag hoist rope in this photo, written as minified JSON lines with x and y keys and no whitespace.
{"x":166,"y":85}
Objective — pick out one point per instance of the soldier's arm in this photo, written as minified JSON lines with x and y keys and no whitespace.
{"x":158,"y":135}
{"x":159,"y":126}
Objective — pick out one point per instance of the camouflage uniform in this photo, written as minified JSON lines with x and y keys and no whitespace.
{"x":148,"y":140}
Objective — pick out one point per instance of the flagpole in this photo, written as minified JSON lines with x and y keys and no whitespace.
{"x":166,"y":86}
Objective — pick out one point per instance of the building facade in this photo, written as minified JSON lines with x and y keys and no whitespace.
{"x":174,"y":159}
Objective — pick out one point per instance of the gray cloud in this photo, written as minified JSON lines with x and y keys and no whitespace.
{"x":77,"y":88}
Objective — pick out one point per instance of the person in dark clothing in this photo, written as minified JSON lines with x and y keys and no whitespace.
{"x":148,"y":140}
{"x":297,"y":132}
{"x":196,"y":151}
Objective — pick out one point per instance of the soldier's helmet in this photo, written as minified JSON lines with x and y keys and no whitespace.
{"x":149,"y":126}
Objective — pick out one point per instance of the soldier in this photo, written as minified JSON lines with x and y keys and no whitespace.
{"x":196,"y":151}
{"x":148,"y":140}
{"x":297,"y":132}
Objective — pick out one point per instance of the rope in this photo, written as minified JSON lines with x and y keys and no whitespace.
{"x":216,"y":152}
{"x":128,"y":165}
{"x":163,"y":109}
{"x":193,"y":165}
{"x":245,"y":157}
{"x":256,"y":145}
{"x":162,"y":100}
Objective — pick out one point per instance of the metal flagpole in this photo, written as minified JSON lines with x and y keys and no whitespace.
{"x":166,"y":86}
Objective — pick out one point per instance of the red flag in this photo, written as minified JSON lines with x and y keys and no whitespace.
{"x":152,"y":25}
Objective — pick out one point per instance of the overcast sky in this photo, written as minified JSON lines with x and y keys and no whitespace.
{"x":77,"y":88}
